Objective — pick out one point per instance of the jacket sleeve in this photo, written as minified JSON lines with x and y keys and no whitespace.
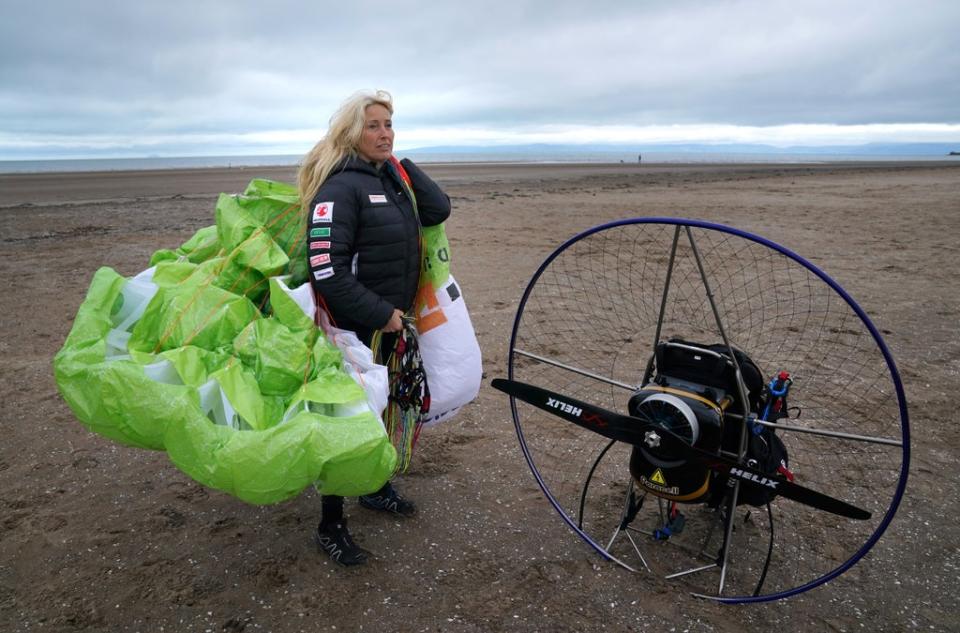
{"x":433,"y":204}
{"x":332,"y":224}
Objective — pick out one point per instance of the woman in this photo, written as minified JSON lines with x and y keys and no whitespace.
{"x":363,"y":242}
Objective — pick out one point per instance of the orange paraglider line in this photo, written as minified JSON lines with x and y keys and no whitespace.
{"x":205,"y":283}
{"x":263,"y":303}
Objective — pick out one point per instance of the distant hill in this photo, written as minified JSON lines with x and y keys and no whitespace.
{"x":868,"y":149}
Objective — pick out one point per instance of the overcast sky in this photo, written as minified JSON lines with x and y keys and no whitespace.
{"x":132,"y":78}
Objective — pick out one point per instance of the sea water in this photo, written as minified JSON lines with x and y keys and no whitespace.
{"x":144,"y":163}
{"x":427,"y":156}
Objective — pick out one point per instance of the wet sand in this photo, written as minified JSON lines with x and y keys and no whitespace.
{"x":99,"y":537}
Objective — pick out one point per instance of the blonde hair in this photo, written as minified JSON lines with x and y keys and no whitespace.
{"x":342,"y":138}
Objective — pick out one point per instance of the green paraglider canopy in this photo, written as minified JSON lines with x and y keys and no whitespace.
{"x":206,"y":356}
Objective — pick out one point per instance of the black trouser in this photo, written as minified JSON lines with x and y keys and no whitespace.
{"x":331,"y":509}
{"x":331,"y":506}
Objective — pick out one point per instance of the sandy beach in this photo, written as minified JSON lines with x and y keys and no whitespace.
{"x":95,"y":536}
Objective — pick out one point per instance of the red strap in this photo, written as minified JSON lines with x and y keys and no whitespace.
{"x":783,"y":470}
{"x":400,"y":170}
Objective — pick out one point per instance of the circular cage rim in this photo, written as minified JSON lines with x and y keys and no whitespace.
{"x":878,"y":339}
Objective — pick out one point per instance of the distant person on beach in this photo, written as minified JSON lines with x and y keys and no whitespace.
{"x":364,"y":255}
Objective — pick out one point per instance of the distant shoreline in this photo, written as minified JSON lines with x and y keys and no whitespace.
{"x":109,"y":165}
{"x":76,"y":187}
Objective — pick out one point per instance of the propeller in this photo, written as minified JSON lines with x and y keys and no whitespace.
{"x":637,"y":431}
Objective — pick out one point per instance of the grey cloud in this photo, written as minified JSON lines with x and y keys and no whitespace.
{"x":122,"y":68}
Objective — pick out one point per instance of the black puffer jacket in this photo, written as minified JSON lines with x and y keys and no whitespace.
{"x":363,"y":241}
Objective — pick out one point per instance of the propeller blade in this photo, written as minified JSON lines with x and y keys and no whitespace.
{"x":634,"y":431}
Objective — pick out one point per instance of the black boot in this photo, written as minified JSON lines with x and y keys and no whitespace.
{"x":387,"y":499}
{"x":332,"y":536}
{"x":335,"y":540}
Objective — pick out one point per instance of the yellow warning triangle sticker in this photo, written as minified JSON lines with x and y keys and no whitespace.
{"x":657,"y":477}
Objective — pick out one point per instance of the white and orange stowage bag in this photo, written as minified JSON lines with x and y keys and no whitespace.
{"x":449,"y":348}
